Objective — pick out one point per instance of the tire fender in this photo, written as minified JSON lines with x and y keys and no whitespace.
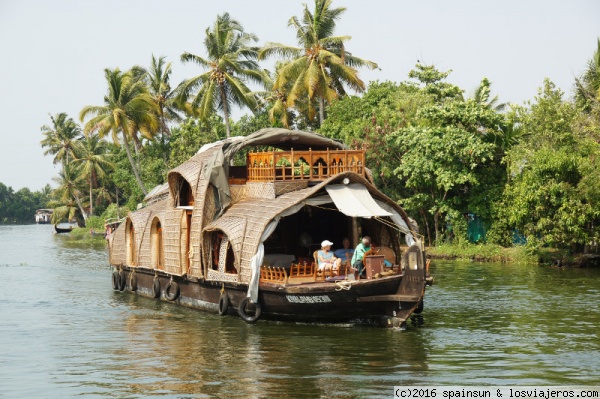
{"x":156,"y":288}
{"x":223,"y":304}
{"x":122,"y":280}
{"x":172,"y":291}
{"x":242,"y":311}
{"x":420,"y":307}
{"x":115,"y":280}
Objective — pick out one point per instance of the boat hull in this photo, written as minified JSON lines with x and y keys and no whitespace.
{"x":372,"y":302}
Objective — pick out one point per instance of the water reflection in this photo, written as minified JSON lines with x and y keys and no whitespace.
{"x":171,"y":349}
{"x":65,"y":333}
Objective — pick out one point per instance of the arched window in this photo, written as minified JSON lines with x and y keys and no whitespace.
{"x":222,"y":256}
{"x":130,"y":243}
{"x":156,"y":244}
{"x":185,"y":194}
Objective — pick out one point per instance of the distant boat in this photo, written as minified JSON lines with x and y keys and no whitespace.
{"x":64,"y":229}
{"x":43,"y":216}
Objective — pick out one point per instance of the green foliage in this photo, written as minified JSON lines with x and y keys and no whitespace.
{"x":551,"y":195}
{"x":431,"y":81}
{"x":113,"y":212}
{"x":484,"y":252}
{"x":95,"y":222}
{"x":437,"y":153}
{"x":231,"y":63}
{"x":20,"y":206}
{"x":187,"y":138}
{"x":320,"y":67}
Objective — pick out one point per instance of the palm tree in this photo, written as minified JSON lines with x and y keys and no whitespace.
{"x":128,"y":110}
{"x":320,"y":67}
{"x":482,"y":95}
{"x":231,"y":62}
{"x":67,"y":196}
{"x":587,"y":87}
{"x":93,"y":163}
{"x":61,"y":138}
{"x":159,"y":77}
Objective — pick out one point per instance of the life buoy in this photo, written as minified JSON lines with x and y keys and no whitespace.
{"x":242,"y":311}
{"x":115,"y":280}
{"x":172,"y":291}
{"x":133,"y":282}
{"x":223,"y":304}
{"x":122,"y":280}
{"x":156,"y":288}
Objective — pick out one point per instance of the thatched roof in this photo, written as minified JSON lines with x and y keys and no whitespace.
{"x":283,"y":139}
{"x":245,"y":221}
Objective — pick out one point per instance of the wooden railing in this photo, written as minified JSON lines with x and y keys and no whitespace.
{"x":303,"y":165}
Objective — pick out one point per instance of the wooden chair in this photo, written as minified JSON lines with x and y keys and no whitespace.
{"x":277,"y":275}
{"x":327,"y":271}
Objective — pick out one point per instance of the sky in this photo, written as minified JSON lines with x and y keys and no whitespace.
{"x":53,"y":52}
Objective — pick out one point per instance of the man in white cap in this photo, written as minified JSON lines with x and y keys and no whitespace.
{"x":326,"y":258}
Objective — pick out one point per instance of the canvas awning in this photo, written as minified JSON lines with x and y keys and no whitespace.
{"x":354,"y":200}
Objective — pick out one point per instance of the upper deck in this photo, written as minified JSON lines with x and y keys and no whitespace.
{"x":311,"y":166}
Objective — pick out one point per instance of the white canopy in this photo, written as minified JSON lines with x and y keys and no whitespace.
{"x":354,"y":200}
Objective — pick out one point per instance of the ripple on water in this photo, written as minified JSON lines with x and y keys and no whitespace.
{"x":65,"y":333}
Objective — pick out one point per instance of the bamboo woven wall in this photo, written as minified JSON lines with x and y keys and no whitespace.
{"x":116,"y":243}
{"x":204,"y":198}
{"x":171,"y":237}
{"x":139,"y":219}
{"x":257,"y":212}
{"x":156,"y":210}
{"x":234,"y":229}
{"x":238,"y":193}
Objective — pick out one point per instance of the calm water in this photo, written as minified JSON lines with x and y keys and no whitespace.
{"x":65,"y":333}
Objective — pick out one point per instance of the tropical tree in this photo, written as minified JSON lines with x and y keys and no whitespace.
{"x":231,"y":62}
{"x":320,"y":67}
{"x":67,"y":196}
{"x":551,"y":197}
{"x":482,"y":95}
{"x":587,"y":86}
{"x":158,"y":78}
{"x":92,"y":162}
{"x":61,"y":138}
{"x":128,"y":109}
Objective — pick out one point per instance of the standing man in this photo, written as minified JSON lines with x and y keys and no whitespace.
{"x":359,"y":254}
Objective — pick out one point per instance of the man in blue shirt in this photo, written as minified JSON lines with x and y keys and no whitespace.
{"x":359,"y":254}
{"x":345,"y":253}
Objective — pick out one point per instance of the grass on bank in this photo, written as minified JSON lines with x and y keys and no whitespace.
{"x":483,"y":253}
{"x":92,"y":233}
{"x":84,"y":235}
{"x":495,"y":253}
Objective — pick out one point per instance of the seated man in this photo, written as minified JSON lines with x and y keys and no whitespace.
{"x":345,"y":253}
{"x":326,"y":258}
{"x":359,"y":254}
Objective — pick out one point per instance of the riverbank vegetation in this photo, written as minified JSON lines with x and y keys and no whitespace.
{"x":476,"y":174}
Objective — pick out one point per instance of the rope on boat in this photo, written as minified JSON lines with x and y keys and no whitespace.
{"x":343,"y":285}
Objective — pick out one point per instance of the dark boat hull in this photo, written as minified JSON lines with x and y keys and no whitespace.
{"x":60,"y":230}
{"x":365,"y":302}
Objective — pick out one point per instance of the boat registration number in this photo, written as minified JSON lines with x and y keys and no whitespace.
{"x":308,"y":299}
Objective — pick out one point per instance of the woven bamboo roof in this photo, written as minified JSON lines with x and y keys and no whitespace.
{"x":245,"y":221}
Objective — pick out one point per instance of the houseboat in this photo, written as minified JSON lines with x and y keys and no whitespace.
{"x":43,"y":216}
{"x":242,"y":240}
